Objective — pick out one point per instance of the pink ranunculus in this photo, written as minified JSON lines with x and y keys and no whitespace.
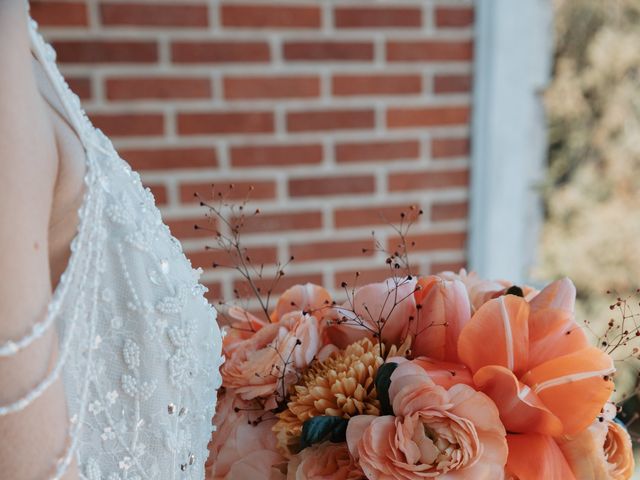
{"x":243,"y":445}
{"x":601,"y":452}
{"x":264,"y":365}
{"x":443,"y":310}
{"x":383,"y":309}
{"x":324,"y":461}
{"x":449,"y":434}
{"x":308,"y":298}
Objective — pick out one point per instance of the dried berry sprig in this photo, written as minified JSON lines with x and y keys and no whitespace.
{"x":398,"y":259}
{"x":232,"y":217}
{"x":620,"y":333}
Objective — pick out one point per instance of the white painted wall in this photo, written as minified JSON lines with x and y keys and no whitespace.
{"x":513,"y":57}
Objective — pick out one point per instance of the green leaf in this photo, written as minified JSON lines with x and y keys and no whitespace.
{"x":323,"y":427}
{"x":383,"y":382}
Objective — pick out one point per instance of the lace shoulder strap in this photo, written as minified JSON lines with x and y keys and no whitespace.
{"x":46,"y":55}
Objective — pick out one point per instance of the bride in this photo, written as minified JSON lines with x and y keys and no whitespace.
{"x":109,"y":352}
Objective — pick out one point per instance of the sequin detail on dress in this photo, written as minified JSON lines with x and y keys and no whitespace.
{"x":140,"y":348}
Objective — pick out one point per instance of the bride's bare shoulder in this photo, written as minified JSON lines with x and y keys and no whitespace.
{"x":29,"y":168}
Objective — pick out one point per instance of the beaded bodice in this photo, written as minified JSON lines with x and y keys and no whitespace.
{"x":140,"y":348}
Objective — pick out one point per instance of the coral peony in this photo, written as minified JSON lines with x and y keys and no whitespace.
{"x":324,"y":461}
{"x":376,"y":310}
{"x":443,"y":310}
{"x":533,"y":456}
{"x":535,"y":362}
{"x":243,"y":445}
{"x":601,"y":452}
{"x":454,"y":433}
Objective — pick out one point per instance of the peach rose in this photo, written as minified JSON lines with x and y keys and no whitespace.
{"x":481,"y":290}
{"x":384,"y":308}
{"x":243,"y":445}
{"x":601,"y":452}
{"x":451,"y":434}
{"x":443,"y":310}
{"x":243,"y":326}
{"x":264,"y":365}
{"x":324,"y":461}
{"x":308,"y":298}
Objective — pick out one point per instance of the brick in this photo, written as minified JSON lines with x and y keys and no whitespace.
{"x":267,"y":284}
{"x":449,"y":147}
{"x":242,"y":88}
{"x":432,"y":241}
{"x":275,"y":223}
{"x":447,"y":267}
{"x":329,"y":50}
{"x":376,"y":84}
{"x":429,"y":50}
{"x":169,"y":158}
{"x":377,"y":150}
{"x":335,"y":185}
{"x":454,"y":16}
{"x":154,"y":14}
{"x":141,"y":88}
{"x":366,"y":276}
{"x":220,"y":51}
{"x":129,"y":124}
{"x":377,"y":17}
{"x":106,"y":51}
{"x":275,"y":155}
{"x":428,"y":180}
{"x":214,"y":295}
{"x":59,"y":14}
{"x":159,"y":193}
{"x":185,"y":228}
{"x":270,"y":16}
{"x":242,"y":189}
{"x":206,"y":258}
{"x":308,"y":251}
{"x":330,"y":120}
{"x":427,"y":116}
{"x":81,"y":86}
{"x":369,"y":216}
{"x":449,"y":211}
{"x":452,"y":84}
{"x":225,"y":123}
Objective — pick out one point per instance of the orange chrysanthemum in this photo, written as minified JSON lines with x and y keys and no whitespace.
{"x":343,"y":385}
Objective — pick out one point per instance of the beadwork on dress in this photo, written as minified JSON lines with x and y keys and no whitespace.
{"x":140,"y":348}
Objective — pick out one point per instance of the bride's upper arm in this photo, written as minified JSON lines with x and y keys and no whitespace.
{"x":27,"y":178}
{"x":37,"y":427}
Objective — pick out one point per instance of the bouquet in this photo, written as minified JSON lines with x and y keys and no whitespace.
{"x":439,"y":376}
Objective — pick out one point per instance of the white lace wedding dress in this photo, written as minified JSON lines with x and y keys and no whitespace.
{"x":140,"y":348}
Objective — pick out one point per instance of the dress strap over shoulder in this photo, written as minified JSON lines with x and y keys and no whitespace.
{"x":46,"y":56}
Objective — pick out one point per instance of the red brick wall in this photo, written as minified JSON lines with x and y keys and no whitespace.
{"x":333,"y":110}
